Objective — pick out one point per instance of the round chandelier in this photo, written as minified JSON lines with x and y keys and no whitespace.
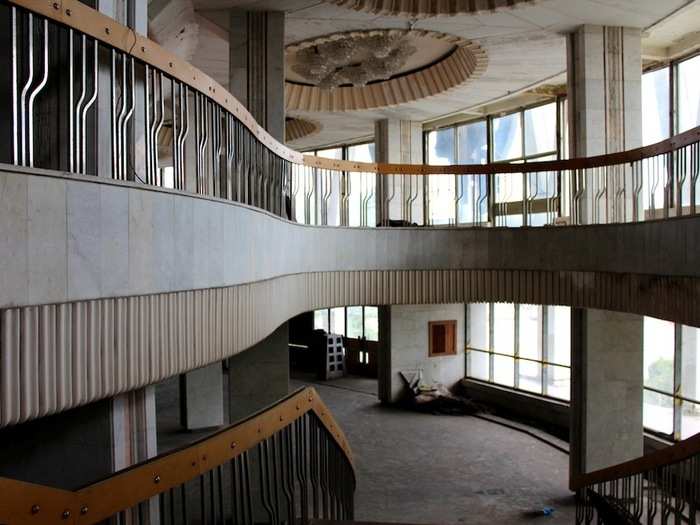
{"x":354,"y":59}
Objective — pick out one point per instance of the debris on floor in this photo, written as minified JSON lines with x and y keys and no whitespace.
{"x":436,"y":398}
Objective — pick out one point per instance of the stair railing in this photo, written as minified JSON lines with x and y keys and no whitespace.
{"x":288,"y":463}
{"x":659,"y":488}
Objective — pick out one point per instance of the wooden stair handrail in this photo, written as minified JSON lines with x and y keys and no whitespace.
{"x":29,"y":503}
{"x":80,"y":17}
{"x":673,"y":454}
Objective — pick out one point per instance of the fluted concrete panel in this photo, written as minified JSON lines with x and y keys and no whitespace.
{"x":56,"y":357}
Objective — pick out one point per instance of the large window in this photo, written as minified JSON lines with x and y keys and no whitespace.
{"x":353,"y":322}
{"x":671,"y":105}
{"x":671,"y":378}
{"x":520,"y":346}
{"x":527,"y":135}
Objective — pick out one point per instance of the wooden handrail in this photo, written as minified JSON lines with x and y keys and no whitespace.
{"x":80,"y":17}
{"x":673,"y":454}
{"x":612,"y":159}
{"x":22,"y":502}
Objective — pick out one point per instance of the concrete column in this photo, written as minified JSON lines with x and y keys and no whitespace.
{"x":80,"y":446}
{"x":604,"y":78}
{"x":384,"y":355}
{"x":256,"y":66}
{"x":398,"y":141}
{"x":259,"y":376}
{"x":202,"y":398}
{"x":606,"y":389}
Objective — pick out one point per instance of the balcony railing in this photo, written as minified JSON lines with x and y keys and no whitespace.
{"x":89,"y":96}
{"x":660,"y":488}
{"x":286,"y":464}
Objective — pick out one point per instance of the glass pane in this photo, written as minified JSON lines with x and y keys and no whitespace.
{"x":690,"y":419}
{"x":321,"y":319}
{"x":478,"y":364}
{"x":362,"y":188}
{"x":659,"y":339}
{"x":330,"y":153}
{"x":541,"y":129}
{"x":689,"y":94}
{"x":338,"y":321}
{"x":559,"y":335}
{"x":472,"y":143}
{"x":658,"y":412}
{"x":441,"y":189}
{"x":558,"y":382}
{"x":690,"y":362}
{"x":479,"y":326}
{"x":507,"y":137}
{"x":530,"y":336}
{"x":441,"y":146}
{"x":655,"y":101}
{"x":472,"y":148}
{"x":504,"y":328}
{"x":530,"y":376}
{"x":503,"y":370}
{"x":354,"y":326}
{"x":371,"y":323}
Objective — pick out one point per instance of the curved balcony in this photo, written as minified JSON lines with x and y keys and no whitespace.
{"x":119,"y":273}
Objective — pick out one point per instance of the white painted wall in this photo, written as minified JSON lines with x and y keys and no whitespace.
{"x":409,"y":345}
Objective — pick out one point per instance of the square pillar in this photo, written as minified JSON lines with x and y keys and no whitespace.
{"x":259,"y":376}
{"x":256,"y":66}
{"x":202,"y":398}
{"x":606,"y":389}
{"x":400,"y":142}
{"x":604,"y":76}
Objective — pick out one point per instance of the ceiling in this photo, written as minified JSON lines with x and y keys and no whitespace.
{"x":525,"y":46}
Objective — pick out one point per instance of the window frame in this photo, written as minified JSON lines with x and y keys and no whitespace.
{"x":492,"y":207}
{"x":545,"y":362}
{"x":677,"y":397}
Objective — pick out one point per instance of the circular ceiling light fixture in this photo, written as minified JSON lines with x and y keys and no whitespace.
{"x":428,"y":8}
{"x":358,"y":70}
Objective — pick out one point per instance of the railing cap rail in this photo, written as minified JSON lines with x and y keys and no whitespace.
{"x":673,"y":454}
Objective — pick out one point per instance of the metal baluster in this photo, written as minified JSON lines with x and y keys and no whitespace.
{"x":82,"y":166}
{"x":25,"y":89}
{"x":15,"y":46}
{"x":75,"y":123}
{"x":147,"y":124}
{"x":127,"y":118}
{"x":263,"y":461}
{"x":694,"y":173}
{"x":161,"y":120}
{"x":36,"y":91}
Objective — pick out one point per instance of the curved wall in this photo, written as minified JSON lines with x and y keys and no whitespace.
{"x":108,"y":286}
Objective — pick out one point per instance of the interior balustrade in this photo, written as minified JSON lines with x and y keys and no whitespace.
{"x":170,"y":125}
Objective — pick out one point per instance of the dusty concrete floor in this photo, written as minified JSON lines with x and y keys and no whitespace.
{"x":423,"y":468}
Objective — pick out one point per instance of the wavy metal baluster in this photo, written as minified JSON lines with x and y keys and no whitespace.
{"x":82,"y":161}
{"x":680,"y":165}
{"x":15,"y":130}
{"x":25,"y":89}
{"x":37,"y":90}
{"x":694,"y":173}
{"x":388,"y":197}
{"x":75,"y":124}
{"x":127,"y":118}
